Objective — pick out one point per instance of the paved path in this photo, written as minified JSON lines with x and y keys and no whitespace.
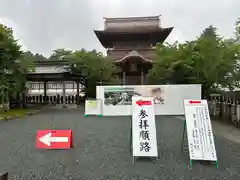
{"x":101,"y":151}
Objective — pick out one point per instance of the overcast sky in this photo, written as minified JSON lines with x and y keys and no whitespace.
{"x":44,"y":25}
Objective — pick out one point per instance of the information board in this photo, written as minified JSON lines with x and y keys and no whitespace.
{"x":144,"y":140}
{"x":199,"y":130}
{"x":92,"y":107}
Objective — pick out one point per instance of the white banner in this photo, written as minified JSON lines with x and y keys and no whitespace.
{"x":199,"y":130}
{"x":93,"y":107}
{"x":144,"y":140}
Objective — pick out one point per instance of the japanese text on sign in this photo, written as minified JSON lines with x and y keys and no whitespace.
{"x":144,"y":133}
{"x":199,"y":131}
{"x":143,"y":127}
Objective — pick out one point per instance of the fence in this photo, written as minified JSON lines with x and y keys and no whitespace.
{"x":227,"y":110}
{"x":58,"y":99}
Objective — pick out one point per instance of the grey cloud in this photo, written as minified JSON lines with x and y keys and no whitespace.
{"x":44,"y":25}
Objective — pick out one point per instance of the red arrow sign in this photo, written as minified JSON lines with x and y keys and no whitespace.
{"x":54,"y":139}
{"x":194,"y":102}
{"x":140,"y":102}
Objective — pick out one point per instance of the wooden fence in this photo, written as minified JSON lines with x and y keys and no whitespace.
{"x":58,"y":99}
{"x":227,"y":110}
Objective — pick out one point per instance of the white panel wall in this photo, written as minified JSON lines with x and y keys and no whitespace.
{"x":173,"y":96}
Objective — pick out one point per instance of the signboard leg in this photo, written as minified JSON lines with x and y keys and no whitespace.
{"x":190,"y":162}
{"x":133,"y":159}
{"x":217,"y":163}
{"x":130,"y":137}
{"x":183,"y":135}
{"x":130,"y":142}
{"x":183,"y":138}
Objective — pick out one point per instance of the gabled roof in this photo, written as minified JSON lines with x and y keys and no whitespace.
{"x":134,"y":54}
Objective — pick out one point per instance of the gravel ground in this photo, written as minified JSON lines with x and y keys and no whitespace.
{"x":101,"y":151}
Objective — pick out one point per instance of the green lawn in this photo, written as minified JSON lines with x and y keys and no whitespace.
{"x":18,"y":112}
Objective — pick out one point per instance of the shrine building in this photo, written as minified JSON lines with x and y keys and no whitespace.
{"x":130,"y":43}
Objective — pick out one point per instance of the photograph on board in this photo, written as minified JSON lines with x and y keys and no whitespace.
{"x":118,"y":96}
{"x":123,"y":95}
{"x":156,"y":92}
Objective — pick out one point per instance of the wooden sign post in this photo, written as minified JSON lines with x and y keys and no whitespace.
{"x":143,"y":136}
{"x":199,"y":131}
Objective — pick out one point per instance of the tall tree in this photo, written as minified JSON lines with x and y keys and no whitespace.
{"x":210,"y":32}
{"x":9,"y":53}
{"x":13,"y":65}
{"x":91,"y":68}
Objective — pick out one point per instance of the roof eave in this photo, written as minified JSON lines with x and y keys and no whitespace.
{"x":106,"y":44}
{"x":136,"y":55}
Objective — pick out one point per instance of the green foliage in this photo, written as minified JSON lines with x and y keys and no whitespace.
{"x":91,"y":68}
{"x":237,"y":31}
{"x":14,"y":65}
{"x":59,"y":54}
{"x":34,"y":57}
{"x":209,"y":60}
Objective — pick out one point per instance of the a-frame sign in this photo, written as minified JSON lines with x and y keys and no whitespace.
{"x":199,"y":131}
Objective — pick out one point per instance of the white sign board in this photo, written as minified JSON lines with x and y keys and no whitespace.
{"x":144,"y":140}
{"x":93,"y":107}
{"x":199,"y":131}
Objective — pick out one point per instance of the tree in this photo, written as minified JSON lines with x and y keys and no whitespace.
{"x":237,"y":41}
{"x":210,"y":32}
{"x":91,"y":68}
{"x":13,"y":65}
{"x":237,"y":31}
{"x":59,"y":54}
{"x":9,"y":53}
{"x":209,"y":60}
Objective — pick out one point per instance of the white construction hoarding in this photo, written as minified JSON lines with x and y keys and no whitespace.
{"x":168,"y":99}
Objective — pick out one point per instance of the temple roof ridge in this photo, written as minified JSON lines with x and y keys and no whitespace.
{"x":132,"y":18}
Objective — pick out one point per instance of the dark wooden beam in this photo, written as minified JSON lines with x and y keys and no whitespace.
{"x":47,"y":62}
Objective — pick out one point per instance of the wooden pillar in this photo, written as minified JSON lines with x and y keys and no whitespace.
{"x":124,"y":77}
{"x":45,"y":91}
{"x":2,"y":96}
{"x":64,"y":94}
{"x":77,"y":100}
{"x":142,"y":76}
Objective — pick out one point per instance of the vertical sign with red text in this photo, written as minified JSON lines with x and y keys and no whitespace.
{"x":144,"y":140}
